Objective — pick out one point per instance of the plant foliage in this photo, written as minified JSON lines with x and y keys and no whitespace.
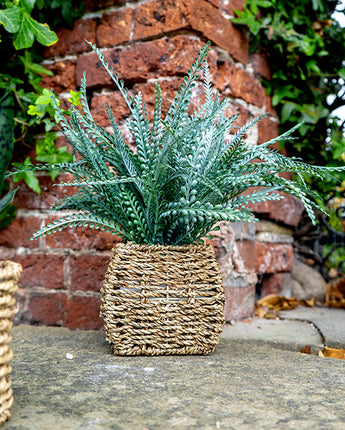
{"x":305,"y":47}
{"x":25,"y":25}
{"x":188,"y":173}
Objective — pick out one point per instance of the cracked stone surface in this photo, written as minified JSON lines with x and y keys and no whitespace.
{"x":246,"y":383}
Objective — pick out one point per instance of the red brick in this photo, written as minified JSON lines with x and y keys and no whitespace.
{"x":287,"y":210}
{"x":273,"y":284}
{"x":229,"y":6}
{"x":50,"y":193}
{"x":73,"y":41}
{"x":136,"y":63}
{"x":82,"y":313}
{"x":64,"y":76}
{"x":161,"y":16}
{"x":95,"y":5}
{"x":260,"y":65}
{"x":206,"y":19}
{"x":19,"y":232}
{"x":245,"y":256}
{"x":78,"y":238}
{"x":215,"y":3}
{"x":273,"y":257}
{"x":57,"y":309}
{"x":46,"y":308}
{"x":117,"y":104}
{"x":88,"y":271}
{"x":114,"y":28}
{"x":232,"y":81}
{"x":268,"y":129}
{"x":42,"y":270}
{"x":239,"y":302}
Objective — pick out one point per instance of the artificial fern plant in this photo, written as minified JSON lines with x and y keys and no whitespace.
{"x":188,"y":172}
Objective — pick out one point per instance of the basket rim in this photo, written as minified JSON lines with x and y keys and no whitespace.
{"x":158,"y":247}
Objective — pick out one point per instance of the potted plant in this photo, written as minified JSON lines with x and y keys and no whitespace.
{"x":163,"y":292}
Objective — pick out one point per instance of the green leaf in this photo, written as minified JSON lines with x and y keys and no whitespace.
{"x":29,"y":29}
{"x":7,"y":199}
{"x":74,"y":98}
{"x":6,"y":134}
{"x":286,"y":111}
{"x":29,"y":4}
{"x":28,"y":176}
{"x":10,"y":18}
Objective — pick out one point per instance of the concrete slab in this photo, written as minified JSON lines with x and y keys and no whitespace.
{"x":243,"y":385}
{"x":330,"y":322}
{"x":290,"y":335}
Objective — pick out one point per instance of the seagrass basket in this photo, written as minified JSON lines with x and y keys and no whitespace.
{"x":9,"y":275}
{"x":162,"y":300}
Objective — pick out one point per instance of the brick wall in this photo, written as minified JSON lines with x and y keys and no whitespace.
{"x":146,"y":40}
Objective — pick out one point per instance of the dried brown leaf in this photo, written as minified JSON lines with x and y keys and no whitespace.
{"x":306,"y":350}
{"x":335,"y":296}
{"x":332,"y":353}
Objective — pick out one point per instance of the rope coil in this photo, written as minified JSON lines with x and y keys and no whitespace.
{"x":9,"y":275}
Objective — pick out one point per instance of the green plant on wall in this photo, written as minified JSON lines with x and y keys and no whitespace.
{"x":305,"y":47}
{"x":25,"y":26}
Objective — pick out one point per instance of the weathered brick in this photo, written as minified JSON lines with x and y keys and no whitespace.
{"x":46,"y":308}
{"x":78,"y":238}
{"x":273,"y":257}
{"x":82,"y":313}
{"x":275,"y":283}
{"x":50,"y":193}
{"x":117,"y":104}
{"x":88,"y":271}
{"x":233,"y":81}
{"x":95,"y":5}
{"x":157,"y":17}
{"x":19,"y":232}
{"x":64,"y":76}
{"x":229,"y":6}
{"x":239,"y":302}
{"x":73,"y":41}
{"x":41,"y":270}
{"x":268,"y":128}
{"x":244,"y":256}
{"x":114,"y":28}
{"x":169,"y":89}
{"x":260,"y":65}
{"x":287,"y":210}
{"x":136,"y":63}
{"x":208,"y":20}
{"x":57,"y":309}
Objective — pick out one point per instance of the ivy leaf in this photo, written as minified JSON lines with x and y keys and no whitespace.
{"x":28,"y":176}
{"x":29,"y":29}
{"x":287,"y":110}
{"x":10,"y":18}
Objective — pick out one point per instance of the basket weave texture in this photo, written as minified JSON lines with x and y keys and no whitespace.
{"x":160,"y":300}
{"x":9,"y":275}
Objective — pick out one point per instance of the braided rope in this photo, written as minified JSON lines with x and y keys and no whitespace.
{"x":9,"y":275}
{"x":162,"y":300}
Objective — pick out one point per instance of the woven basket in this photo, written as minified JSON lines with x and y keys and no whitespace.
{"x":162,"y":300}
{"x":9,"y":275}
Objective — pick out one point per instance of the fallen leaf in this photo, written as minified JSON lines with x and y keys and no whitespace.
{"x":306,"y":350}
{"x":332,"y":353}
{"x":335,"y":296}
